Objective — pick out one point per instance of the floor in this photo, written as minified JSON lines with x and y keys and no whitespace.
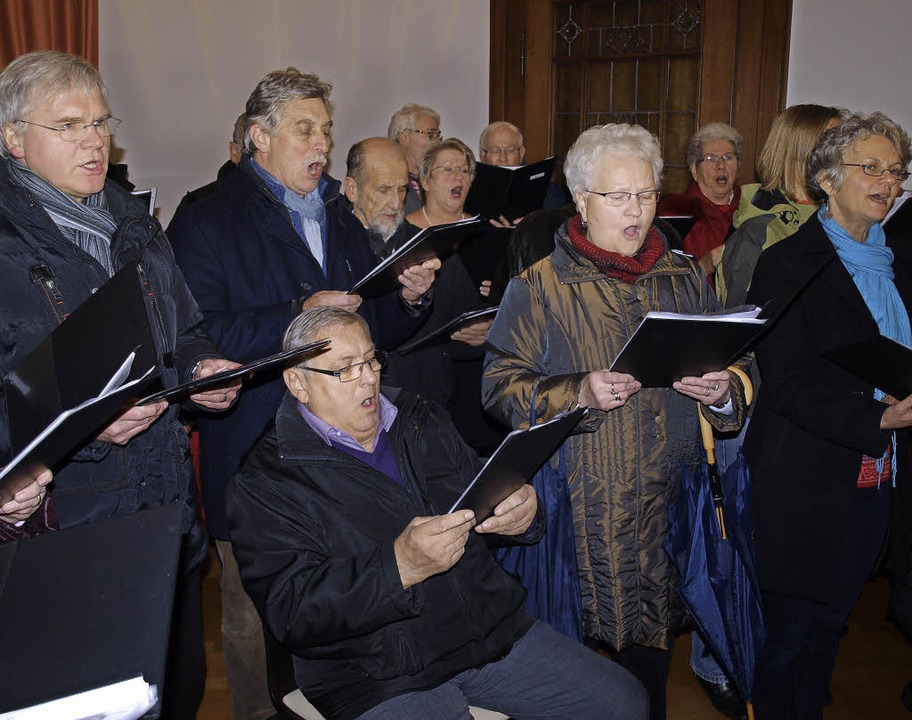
{"x":874,"y":665}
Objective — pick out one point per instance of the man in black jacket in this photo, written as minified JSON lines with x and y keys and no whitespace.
{"x":391,"y":606}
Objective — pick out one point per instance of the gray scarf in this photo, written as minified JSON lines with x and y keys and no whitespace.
{"x":89,"y":225}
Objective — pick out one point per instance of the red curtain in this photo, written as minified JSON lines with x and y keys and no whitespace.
{"x":68,"y":25}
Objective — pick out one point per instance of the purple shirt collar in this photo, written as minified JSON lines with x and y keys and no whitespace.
{"x":330,"y":434}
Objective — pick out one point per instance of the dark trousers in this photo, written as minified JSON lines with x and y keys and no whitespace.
{"x":651,"y":667}
{"x":803,"y":635}
{"x":185,"y":673}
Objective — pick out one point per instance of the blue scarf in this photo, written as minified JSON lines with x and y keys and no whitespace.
{"x":870,"y":263}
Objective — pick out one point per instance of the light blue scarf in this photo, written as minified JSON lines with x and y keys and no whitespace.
{"x":870,"y":263}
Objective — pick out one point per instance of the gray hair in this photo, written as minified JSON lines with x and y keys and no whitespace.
{"x":406,"y":118}
{"x":310,"y":325}
{"x":265,"y":103}
{"x":825,"y":161}
{"x":610,"y":141}
{"x":711,"y":133}
{"x":429,"y":156}
{"x":498,"y":125}
{"x":36,"y":77}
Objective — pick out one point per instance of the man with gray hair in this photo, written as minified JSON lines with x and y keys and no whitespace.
{"x":414,"y":127}
{"x":501,"y":143}
{"x":264,"y":246}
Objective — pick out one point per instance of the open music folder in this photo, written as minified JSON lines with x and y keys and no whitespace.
{"x":509,"y":191}
{"x":668,"y":346}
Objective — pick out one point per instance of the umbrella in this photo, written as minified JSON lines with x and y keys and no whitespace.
{"x":710,"y":542}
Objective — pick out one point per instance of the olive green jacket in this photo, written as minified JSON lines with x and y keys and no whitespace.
{"x":559,"y":320}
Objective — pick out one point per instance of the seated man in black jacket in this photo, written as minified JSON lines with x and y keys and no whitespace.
{"x":390,"y":608}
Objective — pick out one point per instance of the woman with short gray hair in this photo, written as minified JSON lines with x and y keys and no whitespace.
{"x":714,"y":156}
{"x":561,"y":324}
{"x":823,"y":441}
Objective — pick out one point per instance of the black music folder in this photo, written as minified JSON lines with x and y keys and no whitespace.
{"x":514,"y":463}
{"x":444,"y":331}
{"x":880,"y":361}
{"x":88,"y":607}
{"x":509,"y":191}
{"x":81,"y":355}
{"x":438,"y":241}
{"x":668,"y":346}
{"x":271,"y":362}
{"x":681,"y":223}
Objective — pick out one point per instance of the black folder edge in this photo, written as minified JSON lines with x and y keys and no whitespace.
{"x":64,"y":434}
{"x":880,"y":361}
{"x":491,"y":482}
{"x":415,"y":250}
{"x":620,"y":362}
{"x":465,"y":318}
{"x":220,"y":378}
{"x":528,"y":174}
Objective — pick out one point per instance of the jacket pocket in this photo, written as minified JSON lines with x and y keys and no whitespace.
{"x":389,"y":655}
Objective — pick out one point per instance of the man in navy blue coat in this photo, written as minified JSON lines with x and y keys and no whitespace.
{"x":266,"y":245}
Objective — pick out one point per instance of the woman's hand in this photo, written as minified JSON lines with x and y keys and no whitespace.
{"x":710,"y":389}
{"x":897,"y":415}
{"x":27,"y":500}
{"x":606,"y":390}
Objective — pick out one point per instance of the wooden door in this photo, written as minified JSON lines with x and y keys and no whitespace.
{"x":560,"y":66}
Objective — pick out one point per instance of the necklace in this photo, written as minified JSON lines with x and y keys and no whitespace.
{"x":428,"y":220}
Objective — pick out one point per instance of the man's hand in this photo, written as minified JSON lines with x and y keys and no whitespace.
{"x":502,"y":222}
{"x":513,"y":515}
{"x":474,"y":334}
{"x":416,"y":280}
{"x":221,"y":397}
{"x":27,"y":500}
{"x":431,"y":545}
{"x":606,"y":390}
{"x":131,"y":423}
{"x":709,"y":261}
{"x":334,"y":298}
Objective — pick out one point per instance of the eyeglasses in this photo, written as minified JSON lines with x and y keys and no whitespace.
{"x":432,"y":134}
{"x":449,"y":170}
{"x":501,"y":150}
{"x":353,"y":372}
{"x":618,"y":198}
{"x":714,"y":159}
{"x":875,"y":171}
{"x":76,"y":131}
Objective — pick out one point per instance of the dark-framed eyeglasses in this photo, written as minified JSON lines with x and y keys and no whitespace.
{"x":501,"y":151}
{"x":714,"y":159}
{"x":875,"y":171}
{"x":353,"y":371}
{"x":433,"y":134}
{"x":76,"y":131}
{"x":619,"y":198}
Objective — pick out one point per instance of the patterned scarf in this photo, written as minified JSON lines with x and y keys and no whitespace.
{"x":614,"y":265}
{"x":89,"y":225}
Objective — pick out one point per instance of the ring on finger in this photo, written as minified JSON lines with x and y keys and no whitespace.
{"x":611,"y":389}
{"x":707,"y":393}
{"x":617,"y":396}
{"x":716,"y":386}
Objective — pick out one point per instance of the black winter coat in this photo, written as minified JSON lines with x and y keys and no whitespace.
{"x":313,"y":530}
{"x":813,"y":421}
{"x":102,"y":480}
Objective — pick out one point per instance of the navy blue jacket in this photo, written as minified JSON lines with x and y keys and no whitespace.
{"x":103,"y":479}
{"x":245,"y":264}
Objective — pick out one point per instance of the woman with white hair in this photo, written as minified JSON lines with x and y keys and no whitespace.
{"x":560,"y":325}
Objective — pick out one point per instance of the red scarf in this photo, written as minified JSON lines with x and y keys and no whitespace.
{"x":620,"y":267}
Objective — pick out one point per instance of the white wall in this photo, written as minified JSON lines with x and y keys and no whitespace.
{"x":854,"y":54}
{"x":179,"y":73}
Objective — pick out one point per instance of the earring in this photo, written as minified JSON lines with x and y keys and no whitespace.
{"x":825,"y":212}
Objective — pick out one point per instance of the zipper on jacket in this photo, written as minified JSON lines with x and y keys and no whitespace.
{"x":167,"y":355}
{"x":43,"y":277}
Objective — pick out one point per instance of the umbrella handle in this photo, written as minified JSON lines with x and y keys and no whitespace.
{"x":706,"y":432}
{"x":745,"y":381}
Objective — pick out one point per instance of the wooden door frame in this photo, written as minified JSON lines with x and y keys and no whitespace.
{"x":743,"y":69}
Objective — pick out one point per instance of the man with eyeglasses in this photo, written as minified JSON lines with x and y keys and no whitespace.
{"x":414,"y":127}
{"x":65,"y":232}
{"x":265,"y":245}
{"x":392,"y":607}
